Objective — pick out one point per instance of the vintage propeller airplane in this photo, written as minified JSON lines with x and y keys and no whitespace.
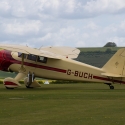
{"x":56,"y":63}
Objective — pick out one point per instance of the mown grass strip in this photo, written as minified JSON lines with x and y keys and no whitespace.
{"x":59,"y":104}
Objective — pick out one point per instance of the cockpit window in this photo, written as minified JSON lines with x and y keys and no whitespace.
{"x":42,"y":59}
{"x":20,"y":55}
{"x":32,"y":57}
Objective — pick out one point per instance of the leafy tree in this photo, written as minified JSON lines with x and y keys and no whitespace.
{"x":110,"y":44}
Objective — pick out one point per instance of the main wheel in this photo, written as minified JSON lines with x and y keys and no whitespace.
{"x":28,"y":87}
{"x":9,"y":88}
{"x":111,"y":87}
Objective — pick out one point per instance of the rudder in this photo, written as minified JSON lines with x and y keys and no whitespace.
{"x":116,"y":64}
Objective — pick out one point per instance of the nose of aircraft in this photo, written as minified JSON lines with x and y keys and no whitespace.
{"x":4,"y":60}
{"x":1,"y":58}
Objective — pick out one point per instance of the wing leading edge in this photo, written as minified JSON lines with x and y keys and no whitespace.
{"x":63,"y":51}
{"x":54,"y":52}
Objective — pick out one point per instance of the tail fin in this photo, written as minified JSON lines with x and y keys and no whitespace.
{"x":116,"y":65}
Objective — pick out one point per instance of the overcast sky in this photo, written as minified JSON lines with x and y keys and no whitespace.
{"x":74,"y":23}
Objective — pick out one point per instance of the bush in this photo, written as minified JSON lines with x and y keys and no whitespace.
{"x":110,"y":44}
{"x":64,"y":82}
{"x":40,"y":82}
{"x":1,"y":81}
{"x":21,"y":82}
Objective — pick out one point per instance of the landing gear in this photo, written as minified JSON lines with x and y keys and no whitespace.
{"x":30,"y":81}
{"x":110,"y":85}
{"x":11,"y":83}
{"x":28,"y":87}
{"x":9,"y":88}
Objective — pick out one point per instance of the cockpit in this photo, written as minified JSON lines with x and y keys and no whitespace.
{"x":33,"y":57}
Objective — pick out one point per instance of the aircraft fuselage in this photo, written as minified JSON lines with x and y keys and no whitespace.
{"x":63,"y":69}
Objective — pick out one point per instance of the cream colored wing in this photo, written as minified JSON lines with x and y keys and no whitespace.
{"x":63,"y":51}
{"x":40,"y":52}
{"x":28,"y":50}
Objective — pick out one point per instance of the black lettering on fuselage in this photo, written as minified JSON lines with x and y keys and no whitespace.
{"x":85,"y":75}
{"x":90,"y":76}
{"x":80,"y":74}
{"x":68,"y":72}
{"x":76,"y":73}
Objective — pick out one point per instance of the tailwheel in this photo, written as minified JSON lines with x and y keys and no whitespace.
{"x":110,"y":85}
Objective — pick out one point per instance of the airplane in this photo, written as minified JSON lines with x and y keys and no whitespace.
{"x":56,"y":63}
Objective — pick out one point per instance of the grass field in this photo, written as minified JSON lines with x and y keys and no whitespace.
{"x":64,"y":104}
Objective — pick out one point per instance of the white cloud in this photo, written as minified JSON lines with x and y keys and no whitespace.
{"x":19,"y":28}
{"x":76,"y":9}
{"x":4,"y":6}
{"x":62,"y":22}
{"x":91,"y":25}
{"x":104,"y":6}
{"x":120,"y":41}
{"x":122,"y":25}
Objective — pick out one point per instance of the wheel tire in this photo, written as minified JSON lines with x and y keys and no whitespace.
{"x":9,"y":88}
{"x":111,"y":87}
{"x":28,"y":87}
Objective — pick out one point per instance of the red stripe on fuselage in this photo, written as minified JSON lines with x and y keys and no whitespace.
{"x":39,"y":66}
{"x":63,"y":71}
{"x":45,"y":67}
{"x":107,"y":79}
{"x":8,"y":60}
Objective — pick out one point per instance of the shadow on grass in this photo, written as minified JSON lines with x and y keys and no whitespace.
{"x":66,"y":87}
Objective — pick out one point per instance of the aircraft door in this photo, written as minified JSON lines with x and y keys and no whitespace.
{"x":41,"y":61}
{"x":31,"y":63}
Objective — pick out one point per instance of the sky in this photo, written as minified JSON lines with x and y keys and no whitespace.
{"x":73,"y":23}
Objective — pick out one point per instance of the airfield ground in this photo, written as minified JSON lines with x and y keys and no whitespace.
{"x":63,"y":104}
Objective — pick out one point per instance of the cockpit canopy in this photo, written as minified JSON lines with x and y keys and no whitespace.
{"x":34,"y":57}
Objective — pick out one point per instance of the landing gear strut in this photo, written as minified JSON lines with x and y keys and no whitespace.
{"x":30,"y":81}
{"x":110,"y":85}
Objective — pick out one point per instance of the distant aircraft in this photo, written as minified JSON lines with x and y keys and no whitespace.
{"x":56,"y":63}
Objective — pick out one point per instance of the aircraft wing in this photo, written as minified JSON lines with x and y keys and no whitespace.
{"x":63,"y":51}
{"x":112,"y":75}
{"x":28,"y":50}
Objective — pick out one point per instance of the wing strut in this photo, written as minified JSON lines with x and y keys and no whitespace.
{"x":22,"y":69}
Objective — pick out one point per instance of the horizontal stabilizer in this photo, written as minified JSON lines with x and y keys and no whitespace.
{"x":112,"y":75}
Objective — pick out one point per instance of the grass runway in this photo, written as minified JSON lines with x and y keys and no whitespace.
{"x":63,"y":104}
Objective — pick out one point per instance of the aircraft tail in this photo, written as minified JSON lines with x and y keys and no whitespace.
{"x":115,"y":67}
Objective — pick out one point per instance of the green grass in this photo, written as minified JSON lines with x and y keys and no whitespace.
{"x":64,"y":104}
{"x":6,"y":74}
